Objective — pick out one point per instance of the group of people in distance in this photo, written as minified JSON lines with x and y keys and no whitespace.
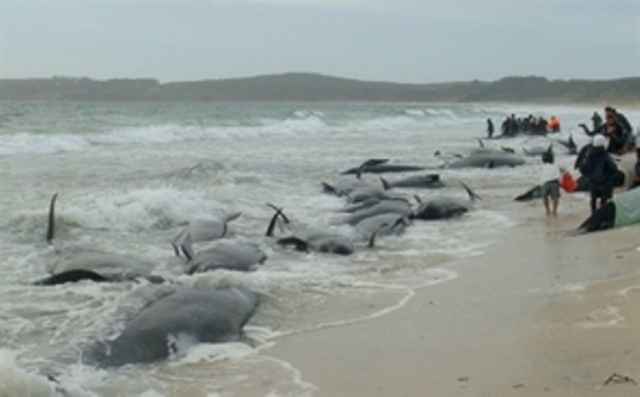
{"x":614,"y":136}
{"x":530,"y":125}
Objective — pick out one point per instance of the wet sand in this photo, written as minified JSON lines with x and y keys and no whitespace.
{"x":539,"y":314}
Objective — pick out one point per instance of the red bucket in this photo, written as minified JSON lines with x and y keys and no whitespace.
{"x":567,"y":182}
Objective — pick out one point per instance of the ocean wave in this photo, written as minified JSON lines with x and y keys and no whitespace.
{"x":125,"y":211}
{"x":18,"y":381}
{"x":303,"y":125}
{"x":42,"y":144}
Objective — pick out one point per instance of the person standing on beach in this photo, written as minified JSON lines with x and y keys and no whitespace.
{"x":490,"y":128}
{"x":598,"y":168}
{"x":550,"y":180}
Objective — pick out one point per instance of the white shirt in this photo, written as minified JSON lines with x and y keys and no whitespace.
{"x":549,"y":172}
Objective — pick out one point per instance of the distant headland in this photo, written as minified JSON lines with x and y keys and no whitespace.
{"x":320,"y":88}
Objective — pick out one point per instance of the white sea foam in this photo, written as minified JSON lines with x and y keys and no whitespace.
{"x":16,"y":381}
{"x":216,"y":352}
{"x":42,"y":144}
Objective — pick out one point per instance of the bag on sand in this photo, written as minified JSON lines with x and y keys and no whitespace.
{"x":567,"y":182}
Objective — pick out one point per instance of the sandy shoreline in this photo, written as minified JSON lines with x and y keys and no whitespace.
{"x":540,"y":313}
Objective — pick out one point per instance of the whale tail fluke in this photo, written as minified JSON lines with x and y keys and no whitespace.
{"x":51,"y":223}
{"x":279,"y":211}
{"x":274,"y":219}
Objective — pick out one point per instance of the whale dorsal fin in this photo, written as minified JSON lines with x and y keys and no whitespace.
{"x":327,"y":188}
{"x":232,"y":217}
{"x":372,"y":162}
{"x":385,"y":183}
{"x":51,"y":225}
{"x":372,"y":239}
{"x":178,"y":240}
{"x":227,"y":219}
{"x":472,"y":195}
{"x":187,"y":248}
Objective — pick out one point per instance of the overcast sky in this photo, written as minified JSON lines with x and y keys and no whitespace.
{"x":415,"y":41}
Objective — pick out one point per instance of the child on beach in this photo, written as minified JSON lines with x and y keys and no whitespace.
{"x":550,"y":180}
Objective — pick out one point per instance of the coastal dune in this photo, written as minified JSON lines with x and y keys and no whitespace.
{"x":540,"y":313}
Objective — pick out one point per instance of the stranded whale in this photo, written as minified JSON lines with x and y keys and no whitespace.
{"x":305,"y":238}
{"x":379,"y":166}
{"x":176,"y":321}
{"x":487,"y":159}
{"x":203,"y":230}
{"x":75,"y":264}
{"x":224,"y":254}
{"x":443,"y":207}
{"x":429,"y":181}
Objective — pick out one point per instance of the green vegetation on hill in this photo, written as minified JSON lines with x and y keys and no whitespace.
{"x":314,"y":87}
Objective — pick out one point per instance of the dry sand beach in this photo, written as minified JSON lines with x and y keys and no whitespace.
{"x":540,"y":313}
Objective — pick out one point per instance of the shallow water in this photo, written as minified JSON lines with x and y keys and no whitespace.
{"x":128,"y":174}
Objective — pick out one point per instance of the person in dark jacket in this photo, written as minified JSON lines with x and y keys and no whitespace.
{"x":615,"y":131}
{"x":490,"y":128}
{"x":599,"y":169}
{"x":620,"y":119}
{"x":596,"y":121}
